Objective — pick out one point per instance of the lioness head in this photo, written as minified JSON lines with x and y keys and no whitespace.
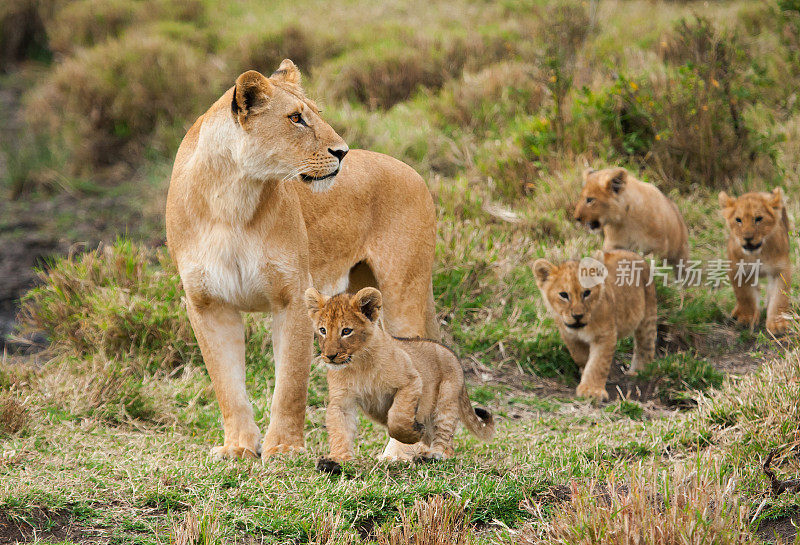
{"x":752,"y":217}
{"x":343,"y":323}
{"x":564,"y":296}
{"x":282,"y":133}
{"x":599,"y":196}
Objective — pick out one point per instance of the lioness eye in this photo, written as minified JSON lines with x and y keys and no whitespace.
{"x":759,"y":218}
{"x":296,"y":118}
{"x":589,"y":200}
{"x":564,"y":295}
{"x":738,"y":220}
{"x":322,"y":330}
{"x":587,"y":293}
{"x":346,"y":331}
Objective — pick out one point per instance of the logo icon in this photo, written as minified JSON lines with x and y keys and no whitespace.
{"x":591,"y":272}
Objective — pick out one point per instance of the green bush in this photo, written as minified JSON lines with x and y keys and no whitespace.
{"x":107,"y":104}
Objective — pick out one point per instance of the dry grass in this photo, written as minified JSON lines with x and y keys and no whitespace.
{"x":648,"y":507}
{"x":13,"y":413}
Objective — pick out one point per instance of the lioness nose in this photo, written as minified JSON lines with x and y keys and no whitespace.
{"x":339,"y":153}
{"x":332,"y":356}
{"x":577,"y":317}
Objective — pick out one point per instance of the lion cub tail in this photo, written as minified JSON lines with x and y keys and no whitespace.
{"x":478,"y":421}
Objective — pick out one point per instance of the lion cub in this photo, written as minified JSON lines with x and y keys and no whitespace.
{"x":634,"y":215}
{"x":593,"y":315}
{"x":414,"y":387}
{"x":758,"y":237}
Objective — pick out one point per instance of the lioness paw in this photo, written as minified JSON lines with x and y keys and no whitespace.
{"x":327,"y":465}
{"x":228,"y":452}
{"x":589,"y":390}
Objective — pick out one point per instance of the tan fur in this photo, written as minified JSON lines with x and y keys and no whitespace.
{"x":414,"y":387}
{"x":610,"y":312}
{"x":634,"y":215}
{"x":758,"y":230}
{"x":248,"y":234}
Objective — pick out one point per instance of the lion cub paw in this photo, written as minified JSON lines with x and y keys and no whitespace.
{"x":777,"y":326}
{"x":589,"y":390}
{"x":408,"y":436}
{"x":745,"y":317}
{"x":328,"y":465}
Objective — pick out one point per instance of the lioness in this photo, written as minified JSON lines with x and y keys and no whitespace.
{"x":634,"y":215}
{"x":758,"y":243}
{"x":592,"y":318}
{"x":248,"y":233}
{"x":414,"y":387}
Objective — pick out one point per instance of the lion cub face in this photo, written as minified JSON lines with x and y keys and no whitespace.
{"x":344,"y":323}
{"x":283,"y":133}
{"x":565,"y":297}
{"x":599,"y":195}
{"x":752,"y":217}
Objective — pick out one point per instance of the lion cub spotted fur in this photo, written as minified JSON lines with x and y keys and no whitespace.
{"x":633,"y":215}
{"x":592,"y":319}
{"x":414,"y":387}
{"x":758,"y":228}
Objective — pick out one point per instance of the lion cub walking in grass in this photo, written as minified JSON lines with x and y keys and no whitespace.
{"x":593,"y":313}
{"x":633,"y":215}
{"x":414,"y":387}
{"x":758,"y":246}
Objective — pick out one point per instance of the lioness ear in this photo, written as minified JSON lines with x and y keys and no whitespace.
{"x":617,"y":181}
{"x":251,"y":89}
{"x":777,"y":198}
{"x":314,"y":301}
{"x":725,"y":200}
{"x":287,"y":72}
{"x":586,"y":174}
{"x":541,"y":270}
{"x":368,"y":302}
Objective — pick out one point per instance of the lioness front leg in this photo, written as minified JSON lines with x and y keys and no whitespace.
{"x":401,"y":420}
{"x":292,"y":346}
{"x":220,"y":334}
{"x":595,"y":374}
{"x":778,"y":305}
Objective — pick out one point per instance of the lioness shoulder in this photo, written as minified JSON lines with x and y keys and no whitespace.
{"x":632,"y":214}
{"x":414,"y":387}
{"x":593,"y":313}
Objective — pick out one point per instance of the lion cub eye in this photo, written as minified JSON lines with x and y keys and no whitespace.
{"x":297,"y":118}
{"x":322,"y":330}
{"x":738,"y":220}
{"x":587,"y":293}
{"x":589,"y":200}
{"x":346,"y":331}
{"x":564,"y":295}
{"x":759,"y":218}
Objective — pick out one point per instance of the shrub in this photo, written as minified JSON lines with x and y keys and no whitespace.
{"x":13,"y":414}
{"x":108,"y":103}
{"x":392,"y":72}
{"x":264,"y":53}
{"x":22,"y":31}
{"x":122,"y":300}
{"x":90,"y":22}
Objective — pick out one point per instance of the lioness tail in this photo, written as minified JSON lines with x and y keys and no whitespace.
{"x":478,"y":421}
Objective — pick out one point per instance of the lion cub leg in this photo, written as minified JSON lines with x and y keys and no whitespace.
{"x":778,"y":305}
{"x":746,"y":310}
{"x":445,"y":420}
{"x":595,"y":374}
{"x":579,"y":351}
{"x":644,"y":337}
{"x":402,"y":417}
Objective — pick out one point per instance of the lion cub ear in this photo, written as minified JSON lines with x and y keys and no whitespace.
{"x":616,"y":182}
{"x":251,"y":89}
{"x":725,"y":200}
{"x":368,"y":301}
{"x":314,"y":301}
{"x":287,"y":72}
{"x":586,"y":173}
{"x":776,"y":201}
{"x":541,"y":270}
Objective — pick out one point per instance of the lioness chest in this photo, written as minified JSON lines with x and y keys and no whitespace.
{"x":235,"y":267}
